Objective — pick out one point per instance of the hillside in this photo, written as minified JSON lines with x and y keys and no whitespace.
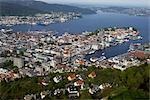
{"x":25,"y":7}
{"x":130,"y":84}
{"x":15,"y":9}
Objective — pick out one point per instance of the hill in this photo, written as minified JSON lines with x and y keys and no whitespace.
{"x":31,"y":7}
{"x":9,"y":9}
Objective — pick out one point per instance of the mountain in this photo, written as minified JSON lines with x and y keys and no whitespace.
{"x":9,"y":9}
{"x":30,"y":7}
{"x":136,"y":11}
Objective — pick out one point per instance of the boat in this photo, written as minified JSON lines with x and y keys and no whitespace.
{"x":133,"y":46}
{"x":139,"y":37}
{"x":102,"y":58}
{"x":6,"y":30}
{"x":103,"y":53}
{"x":43,"y":23}
{"x":93,"y":59}
{"x":9,"y":25}
{"x":91,"y":52}
{"x":33,"y":23}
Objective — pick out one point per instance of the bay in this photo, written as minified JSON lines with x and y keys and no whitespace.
{"x":95,"y":21}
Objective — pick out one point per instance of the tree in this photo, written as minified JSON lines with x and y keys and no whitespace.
{"x":8,"y":64}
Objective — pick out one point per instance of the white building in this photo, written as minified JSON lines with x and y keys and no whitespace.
{"x":19,"y":62}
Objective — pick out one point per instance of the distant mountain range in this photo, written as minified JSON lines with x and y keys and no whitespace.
{"x":31,"y":7}
{"x":124,"y":10}
{"x":130,"y":10}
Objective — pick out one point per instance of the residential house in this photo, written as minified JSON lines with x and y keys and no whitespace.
{"x":92,"y":75}
{"x":71,"y":77}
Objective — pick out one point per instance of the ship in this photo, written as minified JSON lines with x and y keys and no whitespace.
{"x":93,"y":59}
{"x":103,"y":53}
{"x":6,"y":30}
{"x":133,"y":46}
{"x":43,"y":23}
{"x":137,"y":38}
{"x":91,"y":52}
{"x":102,"y":58}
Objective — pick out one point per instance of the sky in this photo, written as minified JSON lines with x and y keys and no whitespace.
{"x":105,"y":2}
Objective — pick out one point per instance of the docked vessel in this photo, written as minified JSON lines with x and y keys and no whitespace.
{"x":91,"y":52}
{"x":133,"y":46}
{"x":102,"y":58}
{"x":93,"y":59}
{"x":43,"y":23}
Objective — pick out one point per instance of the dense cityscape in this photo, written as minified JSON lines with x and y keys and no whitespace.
{"x":36,"y":55}
{"x":45,"y":65}
{"x":42,"y":19}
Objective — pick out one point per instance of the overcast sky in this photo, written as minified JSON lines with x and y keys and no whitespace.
{"x":109,"y":2}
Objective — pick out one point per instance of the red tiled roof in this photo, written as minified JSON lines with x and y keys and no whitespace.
{"x":138,"y":54}
{"x":80,"y":82}
{"x":72,"y":76}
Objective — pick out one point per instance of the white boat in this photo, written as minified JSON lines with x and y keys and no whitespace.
{"x":93,"y":59}
{"x":33,"y":23}
{"x":91,"y":52}
{"x":6,"y":30}
{"x":131,"y":47}
{"x":8,"y":25}
{"x":103,"y":53}
{"x":102,"y":58}
{"x":139,"y":37}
